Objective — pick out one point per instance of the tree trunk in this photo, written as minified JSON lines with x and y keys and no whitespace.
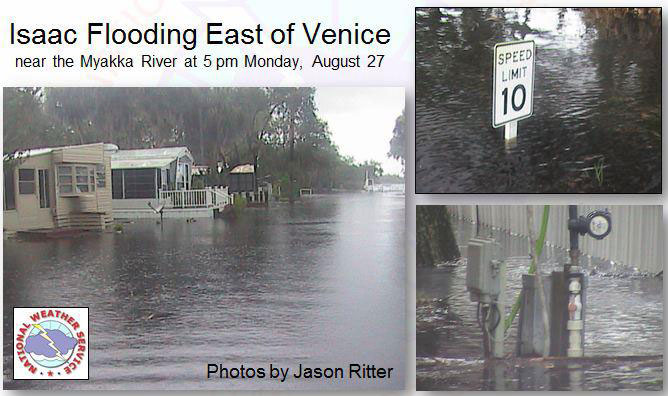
{"x":435,"y":240}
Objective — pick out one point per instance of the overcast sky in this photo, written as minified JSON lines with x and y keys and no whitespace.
{"x":361,"y":121}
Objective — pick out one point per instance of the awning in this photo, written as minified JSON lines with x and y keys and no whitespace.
{"x":141,"y":163}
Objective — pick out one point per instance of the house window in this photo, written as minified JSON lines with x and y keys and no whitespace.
{"x":101,"y":176}
{"x":65,"y":182}
{"x":10,"y":193}
{"x":76,"y":179}
{"x":26,"y":181}
{"x":43,"y":175}
{"x":82,"y":179}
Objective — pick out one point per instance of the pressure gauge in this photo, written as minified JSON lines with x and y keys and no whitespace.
{"x":599,"y":224}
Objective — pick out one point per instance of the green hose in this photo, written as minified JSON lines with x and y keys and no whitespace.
{"x":532,"y":268}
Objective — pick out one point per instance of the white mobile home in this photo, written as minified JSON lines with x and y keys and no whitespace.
{"x":149,"y":181}
{"x":57,"y":188}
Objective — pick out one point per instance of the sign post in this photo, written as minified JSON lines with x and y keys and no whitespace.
{"x":512,"y":100}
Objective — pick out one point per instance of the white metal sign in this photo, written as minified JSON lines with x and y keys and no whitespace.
{"x":513,"y":81}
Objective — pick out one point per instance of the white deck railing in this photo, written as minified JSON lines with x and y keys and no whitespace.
{"x":204,"y":198}
{"x":220,"y":197}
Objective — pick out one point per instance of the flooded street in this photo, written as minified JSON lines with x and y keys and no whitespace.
{"x":320,"y":283}
{"x":596,"y":124}
{"x":623,"y":337}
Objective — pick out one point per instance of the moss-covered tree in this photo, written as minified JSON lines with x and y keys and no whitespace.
{"x":435,"y":239}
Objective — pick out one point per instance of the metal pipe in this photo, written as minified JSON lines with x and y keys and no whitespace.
{"x":575,"y":285}
{"x":574,"y":242}
{"x":477,"y":221}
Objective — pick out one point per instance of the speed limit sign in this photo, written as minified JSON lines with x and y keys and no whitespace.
{"x":513,"y":81}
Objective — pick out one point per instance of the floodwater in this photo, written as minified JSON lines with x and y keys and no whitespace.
{"x":596,"y":125}
{"x":623,"y":333}
{"x":320,"y":283}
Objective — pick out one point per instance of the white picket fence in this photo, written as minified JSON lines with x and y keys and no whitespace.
{"x":189,"y":199}
{"x":637,"y":238}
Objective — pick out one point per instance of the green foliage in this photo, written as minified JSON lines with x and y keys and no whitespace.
{"x":240,"y":203}
{"x":276,"y":129}
{"x":26,"y":124}
{"x":391,"y":179}
{"x":397,"y":144}
{"x":118,"y":227}
{"x":598,"y":171}
{"x":540,"y":242}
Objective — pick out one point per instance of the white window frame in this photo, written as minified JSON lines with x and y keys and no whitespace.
{"x":32,"y":182}
{"x":76,"y":173}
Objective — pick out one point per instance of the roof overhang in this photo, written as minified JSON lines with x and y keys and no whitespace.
{"x":26,"y":153}
{"x":141,"y":163}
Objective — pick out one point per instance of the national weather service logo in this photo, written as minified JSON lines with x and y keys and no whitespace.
{"x":50,"y":343}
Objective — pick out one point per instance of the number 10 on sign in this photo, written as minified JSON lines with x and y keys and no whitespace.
{"x":513,"y":84}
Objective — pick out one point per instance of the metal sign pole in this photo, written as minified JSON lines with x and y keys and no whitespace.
{"x":510,"y":134}
{"x":511,"y":130}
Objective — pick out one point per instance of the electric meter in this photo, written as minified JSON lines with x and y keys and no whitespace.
{"x":599,"y":224}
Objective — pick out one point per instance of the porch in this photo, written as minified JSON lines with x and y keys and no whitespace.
{"x":175,"y":204}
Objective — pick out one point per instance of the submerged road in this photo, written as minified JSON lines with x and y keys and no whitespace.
{"x":320,"y":283}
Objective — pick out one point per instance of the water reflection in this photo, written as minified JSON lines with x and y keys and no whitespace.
{"x":596,"y":125}
{"x":623,"y":340}
{"x":320,"y":283}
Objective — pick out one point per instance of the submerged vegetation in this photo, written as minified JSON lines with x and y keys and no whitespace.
{"x":276,"y":129}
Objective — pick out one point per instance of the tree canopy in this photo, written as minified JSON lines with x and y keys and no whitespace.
{"x":276,"y":129}
{"x":397,"y":143}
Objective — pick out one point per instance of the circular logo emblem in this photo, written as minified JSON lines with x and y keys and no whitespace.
{"x":50,"y":343}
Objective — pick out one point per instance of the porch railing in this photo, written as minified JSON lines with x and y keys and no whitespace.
{"x":220,"y":197}
{"x":203,"y":198}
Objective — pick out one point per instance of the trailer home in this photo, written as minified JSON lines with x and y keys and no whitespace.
{"x":58,"y":188}
{"x":149,"y":183}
